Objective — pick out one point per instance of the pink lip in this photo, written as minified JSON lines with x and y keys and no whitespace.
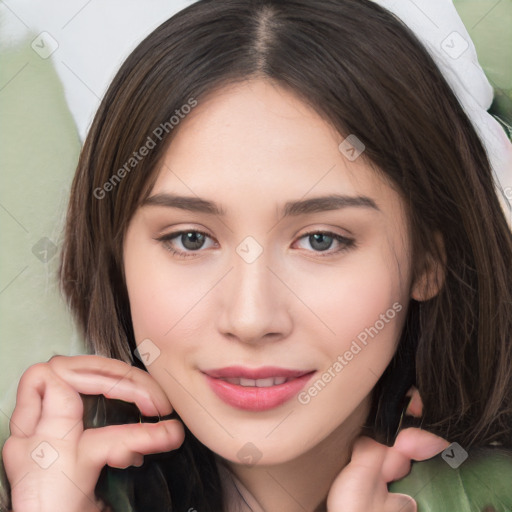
{"x":253,"y":398}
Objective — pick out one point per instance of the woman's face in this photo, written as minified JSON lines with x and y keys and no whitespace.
{"x":269,"y":331}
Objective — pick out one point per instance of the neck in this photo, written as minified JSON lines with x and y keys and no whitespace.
{"x":302,"y":484}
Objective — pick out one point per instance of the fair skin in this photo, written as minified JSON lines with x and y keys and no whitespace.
{"x":250,"y":148}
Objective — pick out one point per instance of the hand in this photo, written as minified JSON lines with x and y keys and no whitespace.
{"x":362,"y":484}
{"x":61,"y":473}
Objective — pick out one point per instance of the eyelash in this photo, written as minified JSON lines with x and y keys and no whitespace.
{"x":346,"y":243}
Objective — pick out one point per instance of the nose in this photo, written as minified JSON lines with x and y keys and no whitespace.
{"x":254,"y":303}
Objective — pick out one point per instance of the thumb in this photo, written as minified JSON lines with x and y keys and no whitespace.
{"x":418,"y":444}
{"x":410,"y":444}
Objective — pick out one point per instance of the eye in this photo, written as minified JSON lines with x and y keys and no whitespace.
{"x":322,"y":241}
{"x":186,"y":243}
{"x":190,"y":240}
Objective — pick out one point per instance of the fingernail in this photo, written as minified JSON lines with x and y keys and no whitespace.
{"x":438,"y":445}
{"x":415,"y":407}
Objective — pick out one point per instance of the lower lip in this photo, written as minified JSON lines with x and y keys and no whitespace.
{"x":254,"y":398}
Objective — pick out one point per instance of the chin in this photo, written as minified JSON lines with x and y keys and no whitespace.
{"x":253,"y":450}
{"x":254,"y":454}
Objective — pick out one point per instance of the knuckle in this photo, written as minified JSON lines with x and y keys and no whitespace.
{"x":128,"y":441}
{"x":144,"y":394}
{"x":178,"y":429}
{"x":143,"y":437}
{"x":10,"y":449}
{"x":171,"y":434}
{"x":158,"y":434}
{"x":122,"y":457}
{"x":55,"y":359}
{"x":34,"y":373}
{"x":57,"y":362}
{"x":107,"y":363}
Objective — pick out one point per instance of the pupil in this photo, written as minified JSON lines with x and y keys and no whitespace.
{"x":322,"y":242}
{"x":192,"y":240}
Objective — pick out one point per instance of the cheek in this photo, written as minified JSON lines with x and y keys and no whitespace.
{"x":161,"y":294}
{"x":366,"y":309}
{"x":147,"y":297}
{"x":355,"y":297}
{"x":367,"y":315}
{"x":154,"y":309}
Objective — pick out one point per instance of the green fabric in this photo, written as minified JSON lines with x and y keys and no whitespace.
{"x":482,"y":483}
{"x":489,"y":24}
{"x":39,"y":148}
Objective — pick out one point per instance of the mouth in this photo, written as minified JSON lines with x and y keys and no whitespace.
{"x":259,"y":383}
{"x":258,"y":389}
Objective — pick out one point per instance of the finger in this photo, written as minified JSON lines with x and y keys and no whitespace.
{"x":120,"y":446}
{"x":396,"y":502}
{"x":28,"y":404}
{"x":354,"y":488}
{"x":368,"y":453}
{"x":415,"y":407}
{"x":418,"y":444}
{"x":383,"y":463}
{"x":114,"y":379}
{"x":44,"y":404}
{"x":396,"y":465}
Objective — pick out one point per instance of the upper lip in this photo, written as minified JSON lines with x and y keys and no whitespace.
{"x":263,"y":372}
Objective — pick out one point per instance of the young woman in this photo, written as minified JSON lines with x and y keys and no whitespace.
{"x":282,"y":226}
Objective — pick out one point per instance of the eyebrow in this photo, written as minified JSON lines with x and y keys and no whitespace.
{"x":291,"y":208}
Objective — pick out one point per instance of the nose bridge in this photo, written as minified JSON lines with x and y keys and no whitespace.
{"x":253,"y":303}
{"x":252,"y":287}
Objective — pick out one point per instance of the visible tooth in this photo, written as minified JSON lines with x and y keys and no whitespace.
{"x":259,"y":383}
{"x":247,"y":382}
{"x":265,"y":383}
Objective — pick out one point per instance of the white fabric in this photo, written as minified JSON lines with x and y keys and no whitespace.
{"x":438,"y":26}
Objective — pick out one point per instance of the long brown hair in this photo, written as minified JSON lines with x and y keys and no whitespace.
{"x":365,"y":73}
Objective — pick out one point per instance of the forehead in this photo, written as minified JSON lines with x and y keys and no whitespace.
{"x":256,"y":139}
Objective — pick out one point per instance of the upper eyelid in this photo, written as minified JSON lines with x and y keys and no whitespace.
{"x":179,"y":232}
{"x":175,"y":234}
{"x":325,"y":232}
